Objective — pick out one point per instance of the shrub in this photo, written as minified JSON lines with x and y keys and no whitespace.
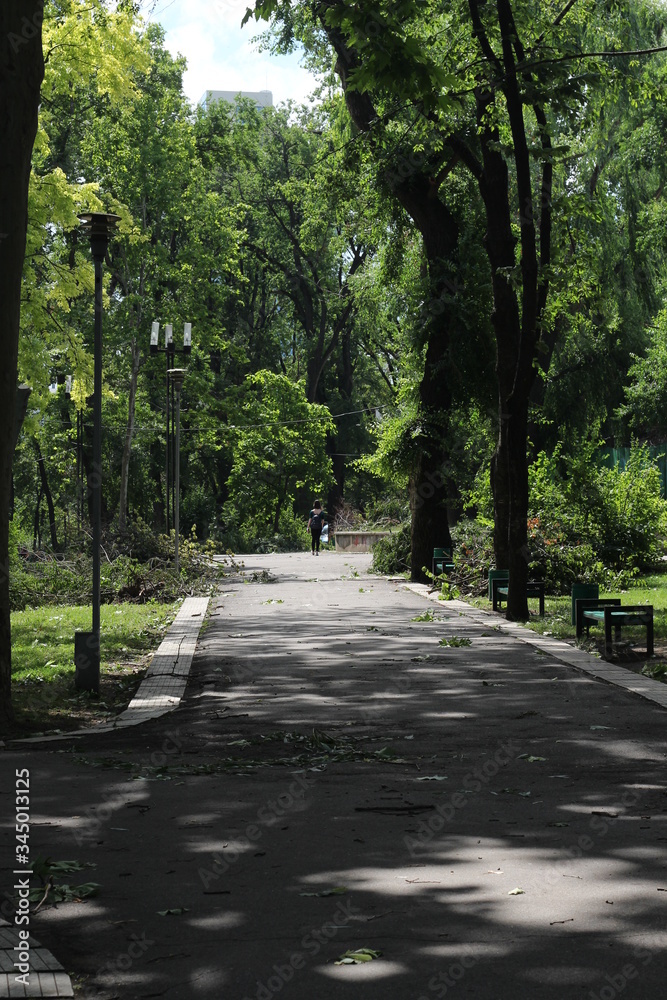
{"x":594,"y":524}
{"x":473,"y":554}
{"x":391,"y":554}
{"x":252,"y":536}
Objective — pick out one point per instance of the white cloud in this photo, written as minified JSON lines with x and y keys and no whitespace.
{"x":221,"y":54}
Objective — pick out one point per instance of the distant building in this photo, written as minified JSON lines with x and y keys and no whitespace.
{"x":262,"y":98}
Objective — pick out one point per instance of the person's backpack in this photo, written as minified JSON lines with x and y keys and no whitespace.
{"x":316,"y":521}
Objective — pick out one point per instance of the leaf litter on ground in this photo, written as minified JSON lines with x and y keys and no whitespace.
{"x":357,"y":956}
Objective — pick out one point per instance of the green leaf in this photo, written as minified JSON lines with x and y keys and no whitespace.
{"x":358,"y":956}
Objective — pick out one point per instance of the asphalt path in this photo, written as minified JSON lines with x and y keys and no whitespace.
{"x":486,"y":821}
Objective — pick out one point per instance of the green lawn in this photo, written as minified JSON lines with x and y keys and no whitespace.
{"x":43,"y":693}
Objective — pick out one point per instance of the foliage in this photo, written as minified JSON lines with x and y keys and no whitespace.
{"x":279,"y":449}
{"x":43,"y":579}
{"x":645,"y":406}
{"x":254,"y":536}
{"x":590,"y":523}
{"x":391,"y":554}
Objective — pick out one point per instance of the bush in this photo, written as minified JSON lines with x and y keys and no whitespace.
{"x":473,"y":554}
{"x":250,"y":536}
{"x":43,"y":579}
{"x":592,"y":524}
{"x":391,"y":554}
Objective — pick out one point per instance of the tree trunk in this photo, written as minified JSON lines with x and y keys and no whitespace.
{"x":516,"y":318}
{"x":129,"y":432}
{"x":431,"y":467}
{"x":46,"y":491}
{"x":414,"y":186}
{"x":21,"y":73}
{"x":339,"y":443}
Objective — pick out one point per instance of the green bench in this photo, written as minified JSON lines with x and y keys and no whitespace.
{"x":442,"y":561}
{"x":610,"y":613}
{"x":500,"y":590}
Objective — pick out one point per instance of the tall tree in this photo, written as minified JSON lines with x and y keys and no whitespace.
{"x":21,"y":73}
{"x":483,"y":85}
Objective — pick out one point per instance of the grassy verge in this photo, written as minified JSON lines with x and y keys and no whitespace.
{"x":557,"y":622}
{"x":43,"y":693}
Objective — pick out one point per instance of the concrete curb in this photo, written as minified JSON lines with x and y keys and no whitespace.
{"x":586,"y":663}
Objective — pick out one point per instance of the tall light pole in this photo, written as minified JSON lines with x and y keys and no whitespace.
{"x":170,"y":351}
{"x":177,"y":377}
{"x":99,"y":227}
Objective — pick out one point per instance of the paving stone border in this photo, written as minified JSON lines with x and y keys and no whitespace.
{"x":46,"y":978}
{"x":587,"y":663}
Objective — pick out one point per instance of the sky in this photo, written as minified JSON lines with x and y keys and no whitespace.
{"x":221,"y":54}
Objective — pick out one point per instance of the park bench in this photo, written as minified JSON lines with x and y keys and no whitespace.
{"x":442,"y":561}
{"x":500,"y":590}
{"x":610,"y":613}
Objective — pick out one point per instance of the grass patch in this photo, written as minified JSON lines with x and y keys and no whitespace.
{"x":43,"y":693}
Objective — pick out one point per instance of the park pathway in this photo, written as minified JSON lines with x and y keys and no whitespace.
{"x":354,"y":767}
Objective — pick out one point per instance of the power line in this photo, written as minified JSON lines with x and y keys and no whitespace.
{"x":264,"y":423}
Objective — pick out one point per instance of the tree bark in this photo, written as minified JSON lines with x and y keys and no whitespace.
{"x":414,"y":187}
{"x":21,"y":73}
{"x":45,"y":490}
{"x":516,"y":320}
{"x":129,"y":433}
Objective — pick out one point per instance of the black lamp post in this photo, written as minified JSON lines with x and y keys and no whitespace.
{"x":99,"y":227}
{"x":170,"y":350}
{"x":177,"y":378}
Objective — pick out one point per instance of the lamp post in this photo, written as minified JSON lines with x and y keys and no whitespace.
{"x":170,"y":351}
{"x":177,"y":377}
{"x":99,"y":227}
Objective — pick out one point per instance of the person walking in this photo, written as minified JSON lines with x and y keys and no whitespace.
{"x":315,"y":525}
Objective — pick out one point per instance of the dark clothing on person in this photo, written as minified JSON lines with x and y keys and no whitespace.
{"x":316,"y":525}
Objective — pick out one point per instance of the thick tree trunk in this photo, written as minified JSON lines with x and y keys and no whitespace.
{"x":500,"y":244}
{"x":21,"y":73}
{"x":413,"y":184}
{"x":129,"y":433}
{"x":431,"y":467}
{"x":516,"y":317}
